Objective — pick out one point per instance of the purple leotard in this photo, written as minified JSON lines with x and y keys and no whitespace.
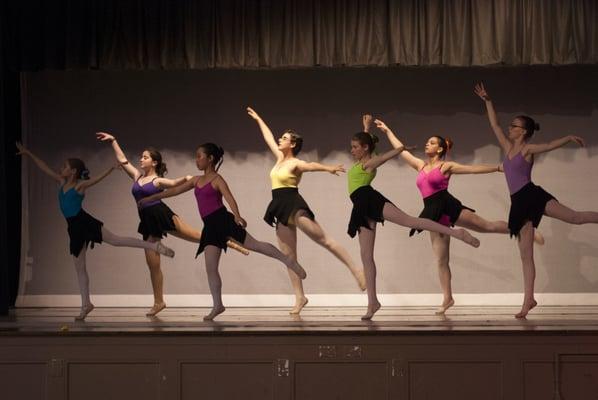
{"x":143,"y":191}
{"x":208,"y":199}
{"x":518,"y":172}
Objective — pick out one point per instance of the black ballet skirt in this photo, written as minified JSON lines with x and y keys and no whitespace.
{"x":527,"y":204}
{"x":368,"y":204}
{"x":155,"y":221}
{"x":218,"y":227}
{"x":83,"y":229}
{"x":439,"y":204}
{"x":285,"y":203}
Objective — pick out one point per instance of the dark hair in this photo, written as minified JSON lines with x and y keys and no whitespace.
{"x":529,"y":125}
{"x":155,"y":155}
{"x":78,"y":165}
{"x":365,"y":138}
{"x":215,"y":151}
{"x":296,"y":139}
{"x":445,"y":143}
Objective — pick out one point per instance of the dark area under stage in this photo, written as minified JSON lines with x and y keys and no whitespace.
{"x":327,"y":353}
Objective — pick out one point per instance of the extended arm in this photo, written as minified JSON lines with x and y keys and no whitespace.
{"x":492,"y":118}
{"x":170,"y":183}
{"x":89,"y":183}
{"x":452,"y":167}
{"x":175,"y":191}
{"x":375,"y":162}
{"x":120,"y":155}
{"x":409,"y":158}
{"x":554,"y":144}
{"x":266,"y":133}
{"x":303,"y":166}
{"x":39,"y":162}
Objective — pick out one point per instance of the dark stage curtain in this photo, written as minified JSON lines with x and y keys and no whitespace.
{"x":187,"y":34}
{"x":10,"y":175}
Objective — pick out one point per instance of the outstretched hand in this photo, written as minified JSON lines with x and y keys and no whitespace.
{"x":336,"y":169}
{"x":22,"y":149}
{"x":578,"y":140}
{"x":381,"y":125}
{"x":481,"y":92}
{"x":104,"y":137}
{"x":252,"y":113}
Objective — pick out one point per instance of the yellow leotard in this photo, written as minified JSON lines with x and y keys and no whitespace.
{"x":283,"y":178}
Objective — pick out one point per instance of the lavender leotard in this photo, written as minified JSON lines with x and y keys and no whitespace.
{"x":518,"y":172}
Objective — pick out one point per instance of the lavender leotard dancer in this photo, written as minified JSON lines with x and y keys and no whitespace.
{"x":528,"y":201}
{"x":218,"y":224}
{"x":155,"y":217}
{"x":518,"y":172}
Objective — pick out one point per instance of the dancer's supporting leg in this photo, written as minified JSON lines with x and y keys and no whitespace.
{"x":287,"y":242}
{"x":153,"y":262}
{"x":395,"y":215}
{"x":212,"y":256}
{"x":441,"y":247}
{"x":269,"y":250}
{"x":470,"y":220}
{"x":315,"y":232}
{"x":367,"y":238}
{"x":122,"y":241}
{"x":83,"y":280}
{"x":526,"y":251}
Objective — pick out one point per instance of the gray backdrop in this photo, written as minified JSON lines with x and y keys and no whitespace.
{"x":177,"y":110}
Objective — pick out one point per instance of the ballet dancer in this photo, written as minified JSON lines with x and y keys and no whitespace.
{"x":528,"y":201}
{"x":289,"y":211}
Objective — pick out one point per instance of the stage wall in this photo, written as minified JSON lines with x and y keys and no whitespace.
{"x":177,"y":110}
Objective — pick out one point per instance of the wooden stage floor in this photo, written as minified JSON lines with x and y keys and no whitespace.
{"x":317,"y":320}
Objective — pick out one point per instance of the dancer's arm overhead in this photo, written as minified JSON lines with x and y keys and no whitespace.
{"x":552,"y":145}
{"x":39,"y":162}
{"x":173,"y":191}
{"x":223,"y":188}
{"x":266,"y":133}
{"x":504,"y":142}
{"x":120,"y":155}
{"x":414,"y":162}
{"x":367,"y":120}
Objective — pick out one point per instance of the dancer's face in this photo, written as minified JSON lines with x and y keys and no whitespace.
{"x":432,"y":147}
{"x":146,"y":162}
{"x":202,"y":160}
{"x":285,"y":143}
{"x":66,"y":171}
{"x":516,"y":129}
{"x":358,"y":151}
